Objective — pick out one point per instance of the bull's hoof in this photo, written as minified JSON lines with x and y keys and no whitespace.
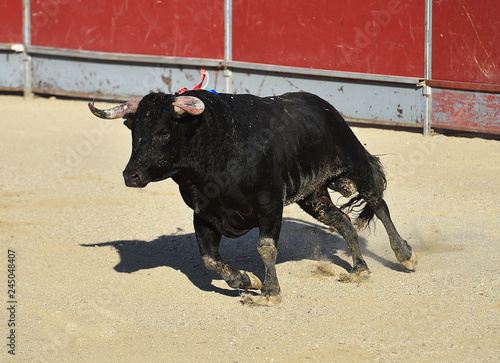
{"x":254,"y":281}
{"x":411,"y":263}
{"x":261,"y":300}
{"x":243,"y":280}
{"x":358,"y":276}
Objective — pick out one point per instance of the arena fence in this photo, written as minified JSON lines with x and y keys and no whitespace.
{"x":432,"y":63}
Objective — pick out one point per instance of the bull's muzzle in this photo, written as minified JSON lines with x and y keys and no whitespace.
{"x":135,"y":178}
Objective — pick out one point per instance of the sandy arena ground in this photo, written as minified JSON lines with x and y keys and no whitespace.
{"x":104,"y":273}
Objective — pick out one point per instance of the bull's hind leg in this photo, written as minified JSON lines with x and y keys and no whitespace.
{"x":370,"y":187}
{"x":209,"y":241}
{"x":320,"y":206}
{"x":404,"y":253}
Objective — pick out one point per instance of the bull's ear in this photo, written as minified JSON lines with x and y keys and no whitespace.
{"x":128,"y":122}
{"x":188,"y":104}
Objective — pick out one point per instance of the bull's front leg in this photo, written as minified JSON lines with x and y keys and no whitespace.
{"x":209,"y":241}
{"x":269,"y":231}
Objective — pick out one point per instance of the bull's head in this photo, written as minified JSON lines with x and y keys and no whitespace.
{"x":161,"y":127}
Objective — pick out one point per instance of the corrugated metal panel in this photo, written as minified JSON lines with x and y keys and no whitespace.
{"x":356,"y":100}
{"x":113,"y":80}
{"x":466,"y":110}
{"x":11,"y":71}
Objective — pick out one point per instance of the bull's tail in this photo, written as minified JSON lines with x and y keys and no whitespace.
{"x":370,"y":183}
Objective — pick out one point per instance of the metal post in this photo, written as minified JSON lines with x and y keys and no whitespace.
{"x":27,"y":42}
{"x":228,"y":41}
{"x":427,"y":92}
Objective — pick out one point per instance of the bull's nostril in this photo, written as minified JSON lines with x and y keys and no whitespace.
{"x":135,"y":179}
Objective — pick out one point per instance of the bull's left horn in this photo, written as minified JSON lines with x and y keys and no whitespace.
{"x":118,"y":111}
{"x":189,"y":104}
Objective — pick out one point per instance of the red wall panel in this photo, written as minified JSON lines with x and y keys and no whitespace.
{"x":369,"y":36}
{"x":11,"y":21}
{"x":466,"y":41}
{"x":192,"y":28}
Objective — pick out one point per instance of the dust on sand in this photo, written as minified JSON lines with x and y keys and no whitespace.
{"x":106,"y":273}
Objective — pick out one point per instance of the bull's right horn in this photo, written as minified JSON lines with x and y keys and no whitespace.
{"x":118,"y":111}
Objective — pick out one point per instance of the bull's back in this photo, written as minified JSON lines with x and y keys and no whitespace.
{"x":319,"y":133}
{"x":303,"y":137}
{"x":296,"y":137}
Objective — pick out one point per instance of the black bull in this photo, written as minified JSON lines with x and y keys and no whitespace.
{"x":239,"y":159}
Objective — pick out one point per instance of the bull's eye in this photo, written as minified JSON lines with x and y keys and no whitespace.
{"x":163,"y":136}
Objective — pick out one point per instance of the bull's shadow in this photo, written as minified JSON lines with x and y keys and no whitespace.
{"x":298,"y":240}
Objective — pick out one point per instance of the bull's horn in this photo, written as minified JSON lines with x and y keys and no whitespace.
{"x":189,"y":104}
{"x":118,"y":111}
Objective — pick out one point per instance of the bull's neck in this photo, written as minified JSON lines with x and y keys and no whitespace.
{"x":207,"y":152}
